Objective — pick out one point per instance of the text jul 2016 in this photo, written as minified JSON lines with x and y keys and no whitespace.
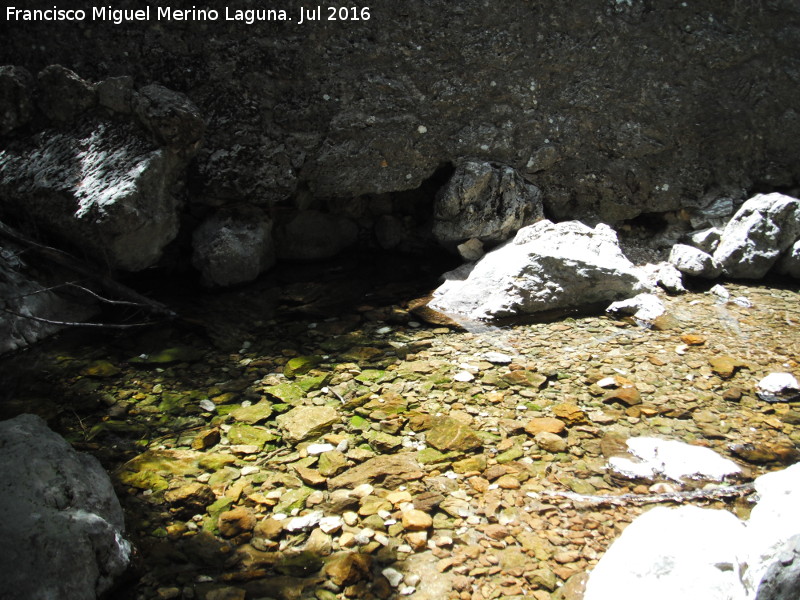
{"x":166,"y":13}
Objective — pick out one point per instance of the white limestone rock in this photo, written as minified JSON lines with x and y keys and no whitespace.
{"x":688,"y":553}
{"x":643,"y":307}
{"x":706,"y":240}
{"x":778,"y":387}
{"x":653,"y":457}
{"x":693,"y":261}
{"x":231,"y":248}
{"x":546,"y":266}
{"x":761,"y":230}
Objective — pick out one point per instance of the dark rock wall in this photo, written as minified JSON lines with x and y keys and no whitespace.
{"x":610,"y":107}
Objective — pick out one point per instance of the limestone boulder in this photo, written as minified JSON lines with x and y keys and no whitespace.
{"x":547,"y":266}
{"x":172,"y":119}
{"x":484,"y":202}
{"x":101,"y":188}
{"x":704,"y":554}
{"x":694,"y":261}
{"x":669,"y":553}
{"x":61,"y":524}
{"x":765,"y":227}
{"x":63,"y":95}
{"x":233,"y":247}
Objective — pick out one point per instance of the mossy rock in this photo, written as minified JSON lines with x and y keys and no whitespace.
{"x":214,"y":511}
{"x":312,"y":383}
{"x":173,"y":403}
{"x":373,"y":376}
{"x":255,"y":413}
{"x":289,"y":393}
{"x":300,"y":365}
{"x":292,"y":499}
{"x":241,"y":433}
{"x":101,"y":369}
{"x":212,"y":461}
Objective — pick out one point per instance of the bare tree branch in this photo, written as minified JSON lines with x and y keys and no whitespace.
{"x":87,"y":272}
{"x":79,"y":323}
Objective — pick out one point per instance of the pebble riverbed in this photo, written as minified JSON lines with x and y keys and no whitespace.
{"x":372,"y":456}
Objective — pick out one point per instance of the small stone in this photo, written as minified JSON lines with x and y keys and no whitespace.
{"x":508,"y":482}
{"x":498,"y":358}
{"x":692,"y":339}
{"x":331,"y":463}
{"x":550,"y":442}
{"x":451,"y":434}
{"x":496,"y":531}
{"x":725,"y":366}
{"x":548,"y":424}
{"x":416,"y":520}
{"x":206,"y":439}
{"x":331,"y":524}
{"x":393,"y":576}
{"x":571,"y":413}
{"x":269,"y":528}
{"x":306,"y":422}
{"x":463,"y":376}
{"x":349,"y":568}
{"x":236,"y":521}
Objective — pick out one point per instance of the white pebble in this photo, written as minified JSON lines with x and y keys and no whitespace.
{"x":393,"y":576}
{"x":207,"y":405}
{"x":314,"y":449}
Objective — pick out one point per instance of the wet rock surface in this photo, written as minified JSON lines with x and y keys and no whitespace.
{"x":472,"y":459}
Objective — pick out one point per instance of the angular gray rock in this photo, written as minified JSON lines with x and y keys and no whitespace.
{"x":484,"y":202}
{"x":16,"y":98}
{"x":706,"y":240}
{"x":99,"y":187}
{"x":61,"y":524}
{"x":546,"y":266}
{"x":782,"y":579}
{"x":695,"y":262}
{"x":63,"y":95}
{"x":170,"y":116}
{"x":761,"y":230}
{"x":233,"y":247}
{"x":314,"y":235}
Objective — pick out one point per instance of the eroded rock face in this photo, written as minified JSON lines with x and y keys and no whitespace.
{"x":61,"y":523}
{"x":610,"y":108}
{"x":484,"y":202}
{"x":546,"y":266}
